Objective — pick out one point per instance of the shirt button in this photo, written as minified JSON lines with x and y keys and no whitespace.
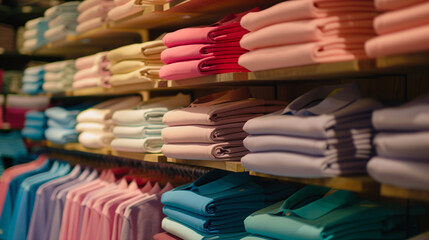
{"x":287,"y":213}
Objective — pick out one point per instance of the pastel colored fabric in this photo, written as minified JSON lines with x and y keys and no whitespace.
{"x":148,"y":144}
{"x":34,"y":23}
{"x":395,"y":4}
{"x":84,"y":5}
{"x":95,"y":127}
{"x":146,"y":74}
{"x":165,"y":236}
{"x":123,"y":11}
{"x":332,"y":50}
{"x":99,"y":10}
{"x":58,"y":66}
{"x":90,"y":24}
{"x":203,"y":134}
{"x":311,"y":30}
{"x":89,"y":61}
{"x":392,"y":119}
{"x":218,"y":114}
{"x":200,"y":51}
{"x":231,"y":150}
{"x":27,"y":102}
{"x":303,"y":9}
{"x":58,"y":32}
{"x":126,"y":66}
{"x":402,"y":19}
{"x":138,"y":131}
{"x":68,"y":18}
{"x":95,"y":139}
{"x":402,"y":172}
{"x":61,"y":136}
{"x":411,"y":145}
{"x":147,"y":50}
{"x":406,"y":41}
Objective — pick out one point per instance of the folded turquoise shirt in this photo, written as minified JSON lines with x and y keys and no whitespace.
{"x":209,"y":225}
{"x":33,"y":133}
{"x":35,"y":115}
{"x":52,"y":123}
{"x":32,"y":88}
{"x":316,"y":213}
{"x":35,"y":123}
{"x":62,"y":115}
{"x":61,"y":136}
{"x":37,"y":70}
{"x":12,"y":145}
{"x":218,"y":193}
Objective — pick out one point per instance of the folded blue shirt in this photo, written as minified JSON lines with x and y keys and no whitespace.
{"x":35,"y":115}
{"x":52,"y":123}
{"x":32,"y":88}
{"x":61,"y":136}
{"x":33,"y":133}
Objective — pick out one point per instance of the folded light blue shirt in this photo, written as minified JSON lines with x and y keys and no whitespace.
{"x":33,"y":133}
{"x":61,"y":136}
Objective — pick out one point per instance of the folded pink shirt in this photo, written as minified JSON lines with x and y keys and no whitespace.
{"x":228,"y":112}
{"x":310,"y":30}
{"x":303,"y":9}
{"x":90,"y":61}
{"x":89,"y":3}
{"x":123,"y":11}
{"x":99,"y":10}
{"x":200,"y":51}
{"x":225,"y":151}
{"x":165,"y":236}
{"x":101,"y":69}
{"x":333,"y":50}
{"x":406,"y":41}
{"x":202,"y":67}
{"x":90,"y":24}
{"x":402,"y":19}
{"x":203,"y":35}
{"x":395,"y":4}
{"x":90,"y":82}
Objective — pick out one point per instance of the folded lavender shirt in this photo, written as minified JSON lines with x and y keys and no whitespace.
{"x":400,"y":172}
{"x":310,"y":30}
{"x":202,"y":67}
{"x":200,"y":51}
{"x":224,"y":151}
{"x":229,"y":112}
{"x":204,"y":134}
{"x":412,"y":146}
{"x":303,"y":9}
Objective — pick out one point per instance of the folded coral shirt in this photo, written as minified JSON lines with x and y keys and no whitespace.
{"x":200,"y":51}
{"x":304,"y":9}
{"x":232,"y":150}
{"x":126,"y":66}
{"x":330,"y":50}
{"x":402,"y":19}
{"x":148,"y":144}
{"x":146,"y":50}
{"x":138,"y":131}
{"x":123,"y":11}
{"x":411,"y":116}
{"x":96,"y":139}
{"x":395,"y":4}
{"x":412,"y":145}
{"x":99,"y":10}
{"x":405,"y":41}
{"x":204,"y":134}
{"x":401,"y":172}
{"x":310,"y":30}
{"x":218,"y":114}
{"x":90,"y":24}
{"x":204,"y":35}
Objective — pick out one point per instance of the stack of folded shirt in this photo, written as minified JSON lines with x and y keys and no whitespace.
{"x":125,"y":8}
{"x":61,"y":21}
{"x":211,"y":127}
{"x":199,"y":51}
{"x":139,"y":130}
{"x":136,"y":63}
{"x":402,"y":145}
{"x":17,"y":106}
{"x":62,"y":122}
{"x":215,"y":205}
{"x":93,"y":14}
{"x":35,"y":125}
{"x":315,"y":212}
{"x":92,"y":71}
{"x":325,"y":132}
{"x":404,"y":28}
{"x":32,"y":80}
{"x":96,"y":125}
{"x":59,"y":76}
{"x":34,"y":34}
{"x":295,"y":33}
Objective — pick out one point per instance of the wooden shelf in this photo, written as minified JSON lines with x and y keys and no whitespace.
{"x":401,"y":62}
{"x":78,"y":147}
{"x":147,"y":157}
{"x":397,"y":192}
{"x":224,"y":165}
{"x":362,"y":184}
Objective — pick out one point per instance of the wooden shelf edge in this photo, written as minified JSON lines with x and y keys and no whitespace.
{"x":224,"y":165}
{"x":398,"y":192}
{"x":147,"y":157}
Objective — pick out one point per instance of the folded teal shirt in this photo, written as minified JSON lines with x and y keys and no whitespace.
{"x":52,"y":123}
{"x":32,"y":88}
{"x":35,"y":115}
{"x":219,"y":193}
{"x":35,"y":123}
{"x":309,"y":214}
{"x":33,"y":133}
{"x":61,"y":136}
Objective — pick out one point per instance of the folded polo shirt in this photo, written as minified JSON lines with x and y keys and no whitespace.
{"x":52,"y":123}
{"x":95,"y":139}
{"x":138,"y":131}
{"x":401,"y":172}
{"x":223,"y":113}
{"x":314,"y":213}
{"x":184,"y":232}
{"x":64,"y":115}
{"x":310,"y":30}
{"x":223,"y":151}
{"x":33,"y":133}
{"x":218,"y":193}
{"x":150,"y":144}
{"x":61,"y":136}
{"x":412,"y":145}
{"x":306,"y":9}
{"x":203,"y":134}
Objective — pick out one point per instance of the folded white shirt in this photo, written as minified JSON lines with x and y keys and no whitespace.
{"x":107,"y":126}
{"x":148,"y":144}
{"x":138,"y":131}
{"x":96,"y":139}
